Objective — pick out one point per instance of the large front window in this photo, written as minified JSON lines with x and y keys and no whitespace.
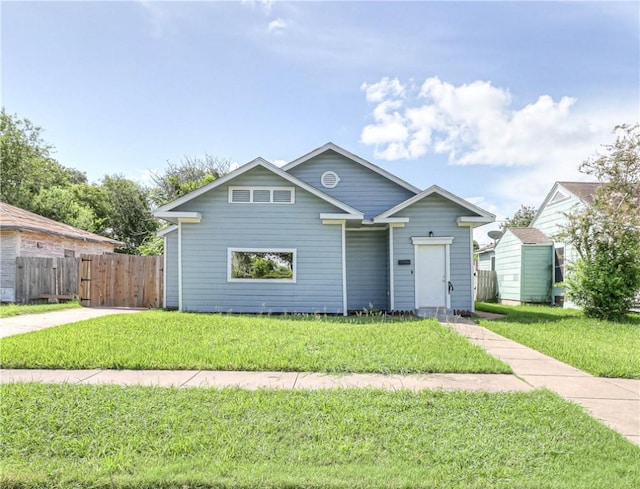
{"x":262,"y":265}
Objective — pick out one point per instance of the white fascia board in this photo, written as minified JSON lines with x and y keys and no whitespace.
{"x":176,"y":217}
{"x":348,"y":217}
{"x":352,"y":157}
{"x":423,"y":240}
{"x":250,"y":166}
{"x":168,"y":230}
{"x":544,"y":203}
{"x":434,"y":189}
{"x":473,"y":221}
{"x":391,"y":220}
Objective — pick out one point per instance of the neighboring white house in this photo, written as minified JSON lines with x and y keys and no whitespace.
{"x":23,"y":233}
{"x":552,"y":254}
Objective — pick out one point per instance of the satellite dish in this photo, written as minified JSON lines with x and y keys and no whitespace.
{"x":495,"y":234}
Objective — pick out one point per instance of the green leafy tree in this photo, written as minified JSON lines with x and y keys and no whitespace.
{"x":606,"y":277}
{"x":129,"y":218}
{"x":188,"y":175}
{"x":62,"y":204}
{"x":520,"y":219}
{"x":26,"y":164}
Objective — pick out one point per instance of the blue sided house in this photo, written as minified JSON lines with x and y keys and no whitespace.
{"x":327,"y":233}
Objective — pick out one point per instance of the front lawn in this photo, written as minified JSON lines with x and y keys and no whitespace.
{"x":7,"y":310}
{"x":171,"y":340}
{"x":602,"y":348}
{"x":146,"y":437}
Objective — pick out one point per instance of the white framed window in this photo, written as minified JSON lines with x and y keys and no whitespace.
{"x":262,"y":195}
{"x":329,"y":179}
{"x":263,"y":265}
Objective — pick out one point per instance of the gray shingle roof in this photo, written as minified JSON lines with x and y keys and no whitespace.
{"x":582,"y":190}
{"x":530,"y":235}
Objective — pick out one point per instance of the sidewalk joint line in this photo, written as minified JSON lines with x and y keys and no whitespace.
{"x":295,"y":381}
{"x":190,"y":379}
{"x":90,"y":376}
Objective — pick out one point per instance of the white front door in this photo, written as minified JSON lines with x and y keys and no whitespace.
{"x":432,"y":271}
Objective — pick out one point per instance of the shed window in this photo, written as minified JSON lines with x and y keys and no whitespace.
{"x":261,"y":195}
{"x":262,"y":265}
{"x":69,"y":254}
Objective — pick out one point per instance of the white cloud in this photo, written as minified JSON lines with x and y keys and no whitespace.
{"x":277,"y":26}
{"x":477,"y":124}
{"x":377,"y":92}
{"x":473,"y":123}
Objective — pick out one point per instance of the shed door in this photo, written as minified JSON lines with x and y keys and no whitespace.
{"x":431,"y":276}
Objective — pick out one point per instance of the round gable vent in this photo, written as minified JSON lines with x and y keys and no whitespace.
{"x":329,"y":179}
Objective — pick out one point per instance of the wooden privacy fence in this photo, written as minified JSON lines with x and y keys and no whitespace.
{"x":121,"y":281}
{"x":41,"y":278}
{"x":486,"y":285}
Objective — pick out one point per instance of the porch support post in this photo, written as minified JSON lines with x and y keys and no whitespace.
{"x":344,"y":268}
{"x":180,"y":266}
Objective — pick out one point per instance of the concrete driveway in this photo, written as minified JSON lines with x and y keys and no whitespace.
{"x":26,"y":323}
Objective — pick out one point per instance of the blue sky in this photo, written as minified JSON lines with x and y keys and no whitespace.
{"x":494,"y":101}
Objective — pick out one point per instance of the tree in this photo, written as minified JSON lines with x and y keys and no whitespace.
{"x":520,"y":219}
{"x":606,"y":235}
{"x":62,"y":204}
{"x":26,"y":164}
{"x":188,"y":175}
{"x":129,"y":218}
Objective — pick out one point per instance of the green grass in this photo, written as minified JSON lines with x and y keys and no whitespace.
{"x":7,"y":310}
{"x":166,"y":340}
{"x":602,"y":348}
{"x":144,"y":437}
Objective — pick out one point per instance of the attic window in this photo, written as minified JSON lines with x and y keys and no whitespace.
{"x":261,"y":195}
{"x":559,"y":196}
{"x":329,"y":179}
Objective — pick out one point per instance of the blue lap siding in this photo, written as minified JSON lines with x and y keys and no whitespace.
{"x":206,"y":288}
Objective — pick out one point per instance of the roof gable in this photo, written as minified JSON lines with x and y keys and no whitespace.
{"x":485,"y":216}
{"x":582,"y":191}
{"x":244,"y":169}
{"x":355,"y":158}
{"x":12,"y":217}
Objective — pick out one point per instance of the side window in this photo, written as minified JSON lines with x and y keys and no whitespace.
{"x":559,"y":265}
{"x":69,"y":254}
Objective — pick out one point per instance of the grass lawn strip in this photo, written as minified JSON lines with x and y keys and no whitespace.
{"x":165,"y":340}
{"x":8,"y":310}
{"x":112,"y":436}
{"x":601,"y":348}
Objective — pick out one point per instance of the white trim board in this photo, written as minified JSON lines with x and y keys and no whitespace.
{"x":434,"y":189}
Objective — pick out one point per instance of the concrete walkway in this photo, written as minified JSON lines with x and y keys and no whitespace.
{"x":615,"y":402}
{"x":25,"y":323}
